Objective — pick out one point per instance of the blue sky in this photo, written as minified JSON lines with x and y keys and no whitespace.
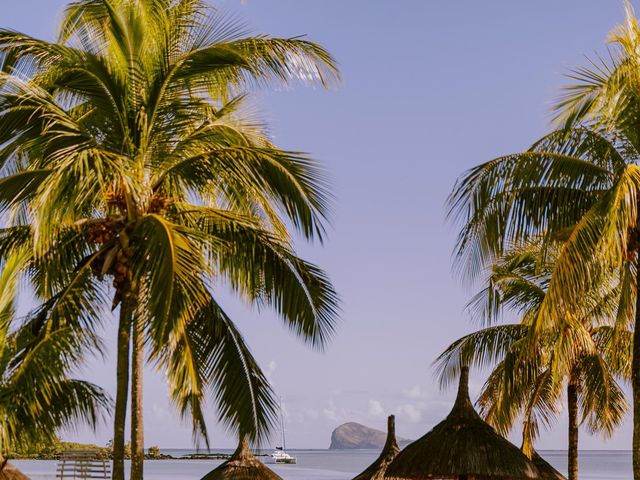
{"x":431,"y":88}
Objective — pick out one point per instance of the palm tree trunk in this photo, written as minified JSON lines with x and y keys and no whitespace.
{"x":635,"y":380}
{"x":137,"y":424}
{"x":122,"y":388}
{"x":572,"y":400}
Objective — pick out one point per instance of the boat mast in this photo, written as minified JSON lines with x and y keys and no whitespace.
{"x":284,"y":444}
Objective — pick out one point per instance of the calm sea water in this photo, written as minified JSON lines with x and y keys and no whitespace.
{"x":339,"y":465}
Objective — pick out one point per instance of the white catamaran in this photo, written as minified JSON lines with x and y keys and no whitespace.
{"x":280,"y":454}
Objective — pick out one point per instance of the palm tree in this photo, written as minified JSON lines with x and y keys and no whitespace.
{"x":128,"y":153}
{"x":37,"y":397}
{"x":529,"y":383}
{"x":580,"y":183}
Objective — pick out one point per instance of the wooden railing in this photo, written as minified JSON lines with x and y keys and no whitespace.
{"x":83,"y":464}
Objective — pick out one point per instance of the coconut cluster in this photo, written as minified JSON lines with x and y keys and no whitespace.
{"x":116,"y":254}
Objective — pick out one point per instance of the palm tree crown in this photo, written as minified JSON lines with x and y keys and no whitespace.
{"x":128,"y":153}
{"x":528,"y":379}
{"x":37,"y":395}
{"x":580,"y":185}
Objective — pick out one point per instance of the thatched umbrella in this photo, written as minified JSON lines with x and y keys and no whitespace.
{"x":10,"y":472}
{"x":547,"y":472}
{"x":462,"y":447}
{"x":242,"y":465}
{"x":376,"y":470}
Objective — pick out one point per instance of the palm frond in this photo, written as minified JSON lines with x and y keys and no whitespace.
{"x":266,"y":271}
{"x":210,"y":355}
{"x":600,"y":397}
{"x":482,"y":348}
{"x":518,"y":198}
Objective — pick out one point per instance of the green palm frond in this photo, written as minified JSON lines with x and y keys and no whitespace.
{"x":532,"y":360}
{"x":9,"y":278}
{"x":584,"y":99}
{"x":541,"y":409}
{"x":518,"y":281}
{"x":482,"y":348}
{"x":598,"y":244}
{"x":78,"y":306}
{"x":171,"y":271}
{"x":36,"y":395}
{"x":266,"y":176}
{"x":602,"y":401}
{"x":210,"y":357}
{"x":616,"y":347}
{"x":265,"y":270}
{"x":517,"y":199}
{"x":523,"y":390}
{"x":19,"y":187}
{"x":605,"y":93}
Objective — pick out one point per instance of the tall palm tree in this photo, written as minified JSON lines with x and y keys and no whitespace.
{"x":128,"y":143}
{"x":580,"y":183}
{"x":529,"y":384}
{"x":37,"y":397}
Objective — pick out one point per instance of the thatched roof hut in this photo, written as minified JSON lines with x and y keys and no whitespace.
{"x":547,"y":472}
{"x":463,"y":447}
{"x":242,"y":465}
{"x":376,"y":470}
{"x":10,"y":472}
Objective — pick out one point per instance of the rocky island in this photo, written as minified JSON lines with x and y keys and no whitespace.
{"x":354,"y":435}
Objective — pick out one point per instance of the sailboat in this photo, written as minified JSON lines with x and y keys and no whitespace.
{"x":280,"y":455}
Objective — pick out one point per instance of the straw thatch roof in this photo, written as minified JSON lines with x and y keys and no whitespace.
{"x":376,"y":470}
{"x":462,"y":446}
{"x":242,"y":465}
{"x":10,"y":472}
{"x":547,"y":472}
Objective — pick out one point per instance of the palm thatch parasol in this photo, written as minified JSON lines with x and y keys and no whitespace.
{"x":10,"y":472}
{"x":242,"y":465}
{"x":547,"y":472}
{"x":376,"y":470}
{"x":462,"y":447}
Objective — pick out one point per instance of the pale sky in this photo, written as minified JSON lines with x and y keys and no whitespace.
{"x":432,"y":87}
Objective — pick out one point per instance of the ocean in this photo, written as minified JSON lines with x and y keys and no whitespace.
{"x":339,"y":465}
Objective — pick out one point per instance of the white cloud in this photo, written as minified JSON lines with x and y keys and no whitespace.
{"x":414,"y":392}
{"x":412,"y":412}
{"x":331,"y":412}
{"x":311,"y":413}
{"x":272,"y":366}
{"x":375,"y":408}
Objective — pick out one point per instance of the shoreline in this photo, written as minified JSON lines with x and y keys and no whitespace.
{"x":194,"y":456}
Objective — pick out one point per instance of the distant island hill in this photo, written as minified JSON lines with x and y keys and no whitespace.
{"x":352,"y":435}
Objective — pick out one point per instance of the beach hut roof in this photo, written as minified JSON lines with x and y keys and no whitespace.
{"x":242,"y":465}
{"x":376,"y":470}
{"x":547,"y":472}
{"x":462,"y":446}
{"x":10,"y":472}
